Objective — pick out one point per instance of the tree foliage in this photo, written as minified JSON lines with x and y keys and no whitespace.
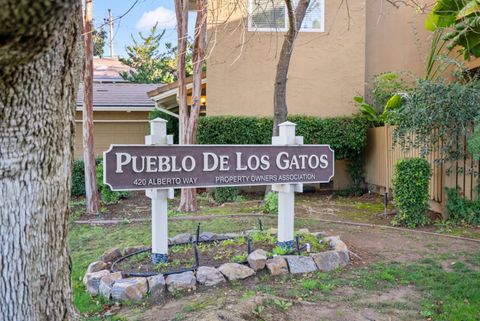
{"x":149,"y":64}
{"x":461,"y":18}
{"x":99,"y":37}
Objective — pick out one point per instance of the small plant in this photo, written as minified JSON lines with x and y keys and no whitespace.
{"x":240,"y":258}
{"x":311,"y":284}
{"x":258,"y":311}
{"x":279,"y":250}
{"x":262,"y":236}
{"x":461,"y":210}
{"x":106,"y":194}
{"x":271,"y":203}
{"x":225,"y":194}
{"x":282,"y":305}
{"x":410,"y":189}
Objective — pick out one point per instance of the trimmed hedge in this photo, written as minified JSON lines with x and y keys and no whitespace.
{"x":410,"y":191}
{"x":346,"y":135}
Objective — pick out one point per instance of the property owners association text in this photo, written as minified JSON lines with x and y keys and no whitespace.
{"x":222,"y":163}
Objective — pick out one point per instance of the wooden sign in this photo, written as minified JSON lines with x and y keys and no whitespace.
{"x":141,"y":167}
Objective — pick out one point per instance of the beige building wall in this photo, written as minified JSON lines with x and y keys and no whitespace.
{"x":327,"y":69}
{"x":396,"y":39}
{"x":118,"y":127}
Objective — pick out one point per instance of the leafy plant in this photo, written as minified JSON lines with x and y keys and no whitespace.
{"x":225,"y":194}
{"x":392,"y":104}
{"x":462,"y":210}
{"x":282,"y":305}
{"x":106,"y":194}
{"x":240,"y":258}
{"x":410,"y":188}
{"x":279,"y":250}
{"x":311,"y":284}
{"x":461,"y":18}
{"x":270,"y":204}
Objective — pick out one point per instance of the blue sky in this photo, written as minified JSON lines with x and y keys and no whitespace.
{"x":143,"y":15}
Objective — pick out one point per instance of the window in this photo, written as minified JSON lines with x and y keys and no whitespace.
{"x":271,"y":15}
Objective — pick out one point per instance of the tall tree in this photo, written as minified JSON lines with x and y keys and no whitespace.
{"x":39,"y":73}
{"x":189,"y":116}
{"x":99,"y":37}
{"x":295,"y":19}
{"x":148,"y":64}
{"x":91,"y":191}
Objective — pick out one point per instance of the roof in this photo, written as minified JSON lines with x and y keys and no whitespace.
{"x":108,"y":69}
{"x":173,"y":86}
{"x":115,"y":96}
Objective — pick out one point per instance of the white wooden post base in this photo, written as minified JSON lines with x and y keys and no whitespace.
{"x":286,"y":192}
{"x":159,"y":196}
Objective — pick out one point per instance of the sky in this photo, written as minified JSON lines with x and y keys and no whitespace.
{"x":143,"y":15}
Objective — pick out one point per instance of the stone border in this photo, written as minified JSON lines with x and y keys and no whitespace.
{"x":99,"y":280}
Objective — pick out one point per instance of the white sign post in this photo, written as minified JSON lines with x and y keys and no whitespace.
{"x":286,"y":192}
{"x":158,"y":131}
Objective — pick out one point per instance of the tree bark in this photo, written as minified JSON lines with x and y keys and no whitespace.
{"x":39,"y":72}
{"x":91,"y":191}
{"x":295,"y":19}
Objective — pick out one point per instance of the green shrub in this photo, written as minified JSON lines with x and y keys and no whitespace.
{"x":461,"y":210}
{"x":225,"y":194}
{"x":271,"y":203}
{"x":106,"y":194}
{"x":78,"y":178}
{"x":410,"y":189}
{"x":346,"y":135}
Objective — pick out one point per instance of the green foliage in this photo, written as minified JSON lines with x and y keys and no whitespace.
{"x":346,"y":135}
{"x":270,"y":204}
{"x":410,"y":189}
{"x":225,"y":194}
{"x":172,"y":122}
{"x":437,"y":111}
{"x":461,"y":19}
{"x":98,"y":37}
{"x":279,"y":250}
{"x":461,"y":210}
{"x":78,"y":178}
{"x":148,"y":63}
{"x":106,"y":194}
{"x":240,"y":258}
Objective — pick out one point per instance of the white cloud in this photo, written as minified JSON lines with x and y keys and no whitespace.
{"x":165,"y":18}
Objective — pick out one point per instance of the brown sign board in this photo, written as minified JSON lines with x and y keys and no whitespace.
{"x":140,"y":167}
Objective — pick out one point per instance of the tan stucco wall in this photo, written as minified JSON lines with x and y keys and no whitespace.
{"x":396,"y":39}
{"x":326,"y":70}
{"x":111,"y":128}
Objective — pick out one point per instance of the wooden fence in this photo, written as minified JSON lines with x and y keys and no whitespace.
{"x":381,"y":156}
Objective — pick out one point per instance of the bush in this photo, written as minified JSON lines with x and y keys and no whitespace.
{"x":106,"y":194}
{"x":271,"y":203}
{"x":225,"y":194}
{"x":346,"y":135}
{"x":78,"y":178}
{"x":410,"y":189}
{"x":461,"y":210}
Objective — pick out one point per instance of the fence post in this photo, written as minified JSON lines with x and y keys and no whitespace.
{"x":158,"y":136}
{"x":286,"y":192}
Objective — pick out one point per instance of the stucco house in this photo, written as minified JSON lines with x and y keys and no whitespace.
{"x":120,"y":109}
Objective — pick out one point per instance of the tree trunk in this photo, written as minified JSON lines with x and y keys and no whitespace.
{"x":39,"y":69}
{"x":295,"y":19}
{"x":91,"y":190}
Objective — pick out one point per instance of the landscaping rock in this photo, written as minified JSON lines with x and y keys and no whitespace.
{"x":207,"y":236}
{"x":231,"y":235}
{"x":106,"y":284}
{"x":327,"y":261}
{"x":303,"y":231}
{"x":319,"y":235}
{"x":111,"y":255}
{"x":300,"y":264}
{"x":235,"y":271}
{"x":336,"y":244}
{"x":133,"y":249}
{"x":181,"y":238}
{"x":344,"y":258}
{"x":209,"y":276}
{"x":273,"y":231}
{"x":277,"y":266}
{"x":131,"y":289}
{"x":156,"y":285}
{"x":181,"y":282}
{"x":92,"y":281}
{"x":257,"y":259}
{"x":96,"y":266}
